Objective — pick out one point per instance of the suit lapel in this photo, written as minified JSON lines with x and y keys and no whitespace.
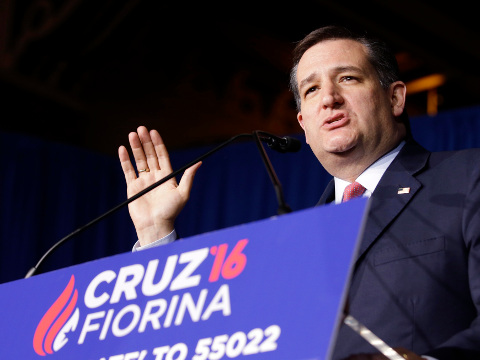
{"x":328,"y":194}
{"x":394,"y":191}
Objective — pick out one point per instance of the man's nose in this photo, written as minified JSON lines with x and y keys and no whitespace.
{"x":331,"y":97}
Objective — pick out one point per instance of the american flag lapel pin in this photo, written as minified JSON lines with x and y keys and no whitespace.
{"x":403,"y":190}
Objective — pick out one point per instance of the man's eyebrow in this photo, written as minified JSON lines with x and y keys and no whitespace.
{"x":336,"y":70}
{"x":307,"y":80}
{"x":340,"y":69}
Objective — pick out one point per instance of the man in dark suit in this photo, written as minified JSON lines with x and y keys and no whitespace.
{"x":416,"y":281}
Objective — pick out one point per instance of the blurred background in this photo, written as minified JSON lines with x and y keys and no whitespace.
{"x":76,"y":76}
{"x":87,"y":72}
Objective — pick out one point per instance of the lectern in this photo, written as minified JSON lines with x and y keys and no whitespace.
{"x":271,"y":289}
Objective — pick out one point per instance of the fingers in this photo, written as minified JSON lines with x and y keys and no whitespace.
{"x":137,"y":150}
{"x":161,"y":151}
{"x":148,"y":148}
{"x":126,"y":164}
{"x":186,"y":182}
{"x":150,"y":152}
{"x":142,"y":149}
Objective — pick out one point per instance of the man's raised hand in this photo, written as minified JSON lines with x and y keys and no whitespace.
{"x":154,"y":213}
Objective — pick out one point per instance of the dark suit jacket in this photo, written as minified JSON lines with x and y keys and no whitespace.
{"x":416,"y":282}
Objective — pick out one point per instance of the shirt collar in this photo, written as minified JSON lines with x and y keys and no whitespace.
{"x":370,"y":177}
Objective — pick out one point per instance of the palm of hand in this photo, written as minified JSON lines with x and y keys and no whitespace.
{"x":153,"y":213}
{"x":162,"y":204}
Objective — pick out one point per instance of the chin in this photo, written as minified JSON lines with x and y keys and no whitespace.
{"x":340,"y":148}
{"x":340,"y":143}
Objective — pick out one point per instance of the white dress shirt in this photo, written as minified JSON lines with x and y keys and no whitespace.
{"x":370,"y":178}
{"x":165,"y":240}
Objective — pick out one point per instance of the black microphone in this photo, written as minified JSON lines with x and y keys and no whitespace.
{"x":268,"y":138}
{"x":282,"y":144}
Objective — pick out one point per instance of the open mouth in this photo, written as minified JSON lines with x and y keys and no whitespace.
{"x":332,"y":121}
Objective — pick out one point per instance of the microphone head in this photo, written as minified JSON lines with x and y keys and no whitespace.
{"x":284,"y":144}
{"x":290,"y":144}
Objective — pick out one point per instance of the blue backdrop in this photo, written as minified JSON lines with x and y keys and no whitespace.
{"x":48,"y":190}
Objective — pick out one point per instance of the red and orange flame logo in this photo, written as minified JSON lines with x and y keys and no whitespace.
{"x":54,"y":319}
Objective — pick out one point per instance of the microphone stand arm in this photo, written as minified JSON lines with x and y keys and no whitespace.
{"x":34,"y":269}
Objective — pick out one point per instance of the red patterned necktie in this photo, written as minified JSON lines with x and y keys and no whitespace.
{"x":353,"y":190}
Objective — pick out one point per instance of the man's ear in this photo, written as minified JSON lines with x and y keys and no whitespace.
{"x":300,"y":121}
{"x":398,"y":95}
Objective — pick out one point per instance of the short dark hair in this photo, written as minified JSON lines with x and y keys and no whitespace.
{"x":379,"y":55}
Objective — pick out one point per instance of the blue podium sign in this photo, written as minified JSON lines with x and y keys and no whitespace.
{"x":272,"y":289}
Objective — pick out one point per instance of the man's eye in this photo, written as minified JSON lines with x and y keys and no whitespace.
{"x":348,"y":78}
{"x":310,"y":90}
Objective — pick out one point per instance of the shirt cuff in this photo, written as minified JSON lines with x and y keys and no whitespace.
{"x":163,"y":241}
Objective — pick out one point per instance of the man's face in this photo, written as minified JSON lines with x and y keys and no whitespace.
{"x":344,"y":110}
